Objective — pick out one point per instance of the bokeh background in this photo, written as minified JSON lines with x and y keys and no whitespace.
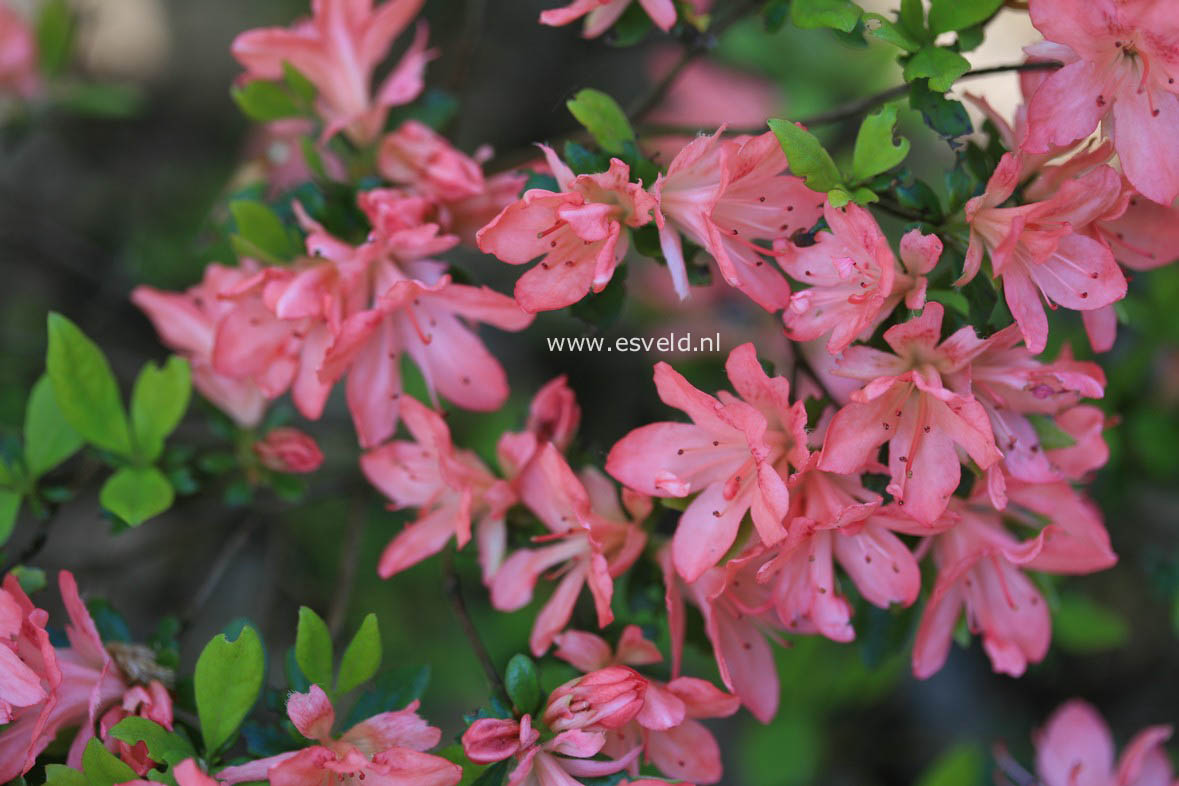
{"x":89,"y":207}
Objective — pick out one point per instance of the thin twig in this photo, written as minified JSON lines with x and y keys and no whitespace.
{"x":349,"y":556}
{"x":468,"y":44}
{"x":454,"y":592}
{"x":217,"y":571}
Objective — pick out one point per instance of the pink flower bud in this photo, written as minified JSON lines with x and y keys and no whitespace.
{"x":288,"y":450}
{"x":554,"y":414}
{"x":490,"y":740}
{"x":608,"y":698}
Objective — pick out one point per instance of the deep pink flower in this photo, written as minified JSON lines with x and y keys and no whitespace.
{"x":578,"y":231}
{"x":724,"y":194}
{"x":907,"y":404}
{"x":556,"y":762}
{"x":736,"y":453}
{"x":1120,"y":65}
{"x":287,"y":449}
{"x":386,"y":749}
{"x":1040,"y":251}
{"x":337,"y":50}
{"x":601,"y":14}
{"x":1075,"y":748}
{"x":417,"y":155}
{"x":447,"y":486}
{"x":18,"y":55}
{"x":592,"y":539}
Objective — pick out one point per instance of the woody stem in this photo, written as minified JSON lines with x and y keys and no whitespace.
{"x":454,"y":593}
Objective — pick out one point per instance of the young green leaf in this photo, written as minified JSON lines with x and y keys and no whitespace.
{"x":838,"y":14}
{"x":158,"y":402}
{"x":939,"y":65}
{"x":227,"y":680}
{"x":162,"y":745}
{"x":260,"y":233}
{"x":806,"y":155}
{"x":602,"y":117}
{"x":135,"y":494}
{"x":302,"y":87}
{"x":962,"y":765}
{"x":877,"y":149}
{"x":61,"y":775}
{"x":104,"y":768}
{"x":85,"y":387}
{"x":1082,"y":625}
{"x":947,"y":15}
{"x":362,"y":657}
{"x":313,"y":648}
{"x":943,"y":115}
{"x":49,"y":439}
{"x":523,"y":683}
{"x":891,"y":32}
{"x":55,"y":35}
{"x":263,"y":102}
{"x":1051,"y":436}
{"x":912,"y":18}
{"x":9,"y":508}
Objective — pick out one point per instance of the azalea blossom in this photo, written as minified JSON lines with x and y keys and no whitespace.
{"x":18,"y":55}
{"x":592,"y":539}
{"x":1076,"y":748}
{"x":601,"y":14}
{"x":417,"y":155}
{"x":734,"y":455}
{"x":906,"y":403}
{"x":1120,"y":67}
{"x":725,"y":194}
{"x":338,"y":49}
{"x":607,"y":698}
{"x":287,"y":449}
{"x":578,"y":232}
{"x":388,"y":748}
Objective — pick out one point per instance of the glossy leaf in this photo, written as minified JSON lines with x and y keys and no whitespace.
{"x":523,"y":683}
{"x":102,"y":767}
{"x":227,"y":681}
{"x":602,"y":117}
{"x":135,"y":494}
{"x":49,"y":439}
{"x":877,"y":147}
{"x":947,"y":15}
{"x":939,"y":65}
{"x":892,"y":32}
{"x":264,"y":102}
{"x":260,"y":233}
{"x":806,"y":155}
{"x":85,"y":388}
{"x":9,"y":510}
{"x":362,"y":657}
{"x":162,"y":745}
{"x":837,"y":14}
{"x":158,"y":402}
{"x":313,"y":648}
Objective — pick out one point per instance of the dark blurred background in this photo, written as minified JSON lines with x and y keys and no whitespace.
{"x":91,"y":207}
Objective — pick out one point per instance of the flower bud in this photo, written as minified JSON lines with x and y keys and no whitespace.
{"x":554,"y":414}
{"x":288,"y":450}
{"x":607,"y":698}
{"x":490,"y":740}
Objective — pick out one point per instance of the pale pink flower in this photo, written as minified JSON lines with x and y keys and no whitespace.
{"x":447,"y":486}
{"x":559,"y":761}
{"x":417,"y":155}
{"x":287,"y":449}
{"x":906,"y":403}
{"x":736,"y":453}
{"x":593,"y":541}
{"x":601,"y":14}
{"x":578,"y":231}
{"x":18,"y":55}
{"x":386,"y":749}
{"x":725,"y":194}
{"x":338,"y":49}
{"x":1120,"y":67}
{"x":1075,"y":748}
{"x":465,"y":217}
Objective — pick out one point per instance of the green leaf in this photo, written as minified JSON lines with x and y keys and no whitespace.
{"x":877,"y":149}
{"x":302,"y":87}
{"x":61,"y":775}
{"x":31,"y":579}
{"x":227,"y":680}
{"x":263,"y":102}
{"x":1052,"y":436}
{"x":912,"y":18}
{"x":806,"y":155}
{"x":950,"y":298}
{"x":260,"y":232}
{"x":631,"y":28}
{"x":102,"y":767}
{"x":523,"y":683}
{"x":943,"y":115}
{"x":9,"y":508}
{"x":49,"y":439}
{"x":891,"y":32}
{"x":494,"y":775}
{"x":135,"y":494}
{"x":54,"y":34}
{"x":838,"y":14}
{"x":602,"y":117}
{"x":947,"y":15}
{"x":939,"y":65}
{"x":962,"y":765}
{"x":839,"y":196}
{"x":602,"y":309}
{"x":85,"y":387}
{"x":162,"y":745}
{"x":101,"y":99}
{"x":313,"y":648}
{"x":362,"y":657}
{"x":158,"y":402}
{"x":394,"y":689}
{"x":1081,"y":625}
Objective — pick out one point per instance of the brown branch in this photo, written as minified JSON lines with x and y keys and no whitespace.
{"x":454,"y":593}
{"x":349,"y":555}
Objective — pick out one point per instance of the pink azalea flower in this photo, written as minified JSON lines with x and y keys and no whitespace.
{"x":1075,"y":748}
{"x":853,"y":277}
{"x":577,"y":230}
{"x":387,"y":748}
{"x":417,"y":155}
{"x":1120,"y":67}
{"x":188,"y":323}
{"x":907,"y":404}
{"x":559,"y":761}
{"x":338,"y":50}
{"x":601,"y":14}
{"x":737,"y":623}
{"x":152,"y":702}
{"x":724,"y":194}
{"x":667,"y":727}
{"x":608,"y":698}
{"x":18,"y":55}
{"x":592,"y":538}
{"x":446,"y":485}
{"x":465,"y":217}
{"x":1039,"y":250}
{"x":27,"y":661}
{"x":287,"y":449}
{"x":187,"y":773}
{"x":736,"y":453}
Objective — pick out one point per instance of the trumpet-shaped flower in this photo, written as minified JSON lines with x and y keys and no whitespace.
{"x":559,"y":761}
{"x":417,"y":155}
{"x":1075,"y":748}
